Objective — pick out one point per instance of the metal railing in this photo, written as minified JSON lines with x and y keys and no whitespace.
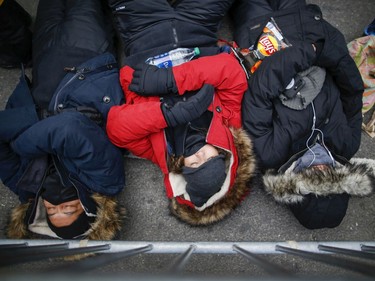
{"x":336,"y":253}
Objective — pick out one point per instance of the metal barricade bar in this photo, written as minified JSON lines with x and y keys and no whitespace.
{"x":354,"y":253}
{"x":269,"y":267}
{"x":202,"y":247}
{"x":13,"y":246}
{"x":30,"y":250}
{"x":331,"y":260}
{"x":368,"y":248}
{"x":111,"y":251}
{"x":97,"y":261}
{"x":182,"y":260}
{"x":52,"y":254}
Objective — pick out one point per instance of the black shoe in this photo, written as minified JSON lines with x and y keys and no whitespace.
{"x":15,"y":36}
{"x":370,"y":29}
{"x":13,"y":57}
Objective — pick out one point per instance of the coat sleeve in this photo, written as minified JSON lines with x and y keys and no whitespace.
{"x":131,"y":125}
{"x":81,"y":145}
{"x":258,"y":114}
{"x":336,"y":59}
{"x":223,"y":72}
{"x":13,"y":121}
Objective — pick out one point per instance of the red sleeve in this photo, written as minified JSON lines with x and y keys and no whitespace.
{"x":130,"y":125}
{"x":223,"y":72}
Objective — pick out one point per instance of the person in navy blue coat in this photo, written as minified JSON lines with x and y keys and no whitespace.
{"x":55,"y":154}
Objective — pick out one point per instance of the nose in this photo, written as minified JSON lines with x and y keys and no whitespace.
{"x":201,"y":156}
{"x":59,"y":209}
{"x":198,"y":153}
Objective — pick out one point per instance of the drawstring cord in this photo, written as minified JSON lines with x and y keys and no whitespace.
{"x":320,"y":137}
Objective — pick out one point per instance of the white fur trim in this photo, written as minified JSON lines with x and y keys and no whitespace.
{"x":366,"y":161}
{"x":290,"y":187}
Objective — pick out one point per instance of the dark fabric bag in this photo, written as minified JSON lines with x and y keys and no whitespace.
{"x":319,"y":212}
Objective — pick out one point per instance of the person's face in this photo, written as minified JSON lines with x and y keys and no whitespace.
{"x":204,"y":154}
{"x":63,"y":214}
{"x":320,"y":167}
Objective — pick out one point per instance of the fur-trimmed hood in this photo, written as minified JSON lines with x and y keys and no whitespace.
{"x":222,"y":207}
{"x":106,"y":225}
{"x":355,"y":178}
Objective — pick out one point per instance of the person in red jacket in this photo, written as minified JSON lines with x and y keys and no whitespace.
{"x":187,"y":120}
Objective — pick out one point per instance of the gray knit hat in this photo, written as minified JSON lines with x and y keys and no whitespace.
{"x":313,"y":80}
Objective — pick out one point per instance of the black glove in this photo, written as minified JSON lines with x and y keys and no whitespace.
{"x":185,"y":111}
{"x":91,"y":113}
{"x":149,"y":80}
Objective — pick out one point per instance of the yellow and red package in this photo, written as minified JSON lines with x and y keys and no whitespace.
{"x":270,"y":41}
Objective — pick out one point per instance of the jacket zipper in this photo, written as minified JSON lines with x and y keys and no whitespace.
{"x":174,"y":32}
{"x":78,"y":72}
{"x":36,"y":198}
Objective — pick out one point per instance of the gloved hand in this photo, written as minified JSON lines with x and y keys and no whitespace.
{"x":149,"y":80}
{"x":185,"y":111}
{"x":91,"y":113}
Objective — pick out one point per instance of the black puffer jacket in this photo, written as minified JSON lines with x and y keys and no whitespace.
{"x":185,"y":24}
{"x":277,"y":131}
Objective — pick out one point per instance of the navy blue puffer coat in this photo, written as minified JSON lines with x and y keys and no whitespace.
{"x":73,"y":65}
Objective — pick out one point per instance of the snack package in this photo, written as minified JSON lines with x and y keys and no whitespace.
{"x":270,"y":41}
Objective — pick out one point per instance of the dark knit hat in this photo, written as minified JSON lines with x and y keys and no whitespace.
{"x":55,"y":191}
{"x":206,"y":180}
{"x":194,"y":141}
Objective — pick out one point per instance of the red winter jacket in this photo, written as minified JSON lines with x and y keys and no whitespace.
{"x":139,"y":124}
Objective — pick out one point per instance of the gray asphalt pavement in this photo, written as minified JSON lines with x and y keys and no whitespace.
{"x":257,"y":219}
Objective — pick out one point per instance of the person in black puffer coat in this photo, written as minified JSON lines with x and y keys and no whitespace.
{"x":179,"y":24}
{"x":303,"y":111}
{"x":55,"y":154}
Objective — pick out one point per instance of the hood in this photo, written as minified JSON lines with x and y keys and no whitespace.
{"x":106,"y":225}
{"x":356,"y":178}
{"x":232,"y":198}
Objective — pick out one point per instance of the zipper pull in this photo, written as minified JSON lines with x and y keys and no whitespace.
{"x":70,"y":69}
